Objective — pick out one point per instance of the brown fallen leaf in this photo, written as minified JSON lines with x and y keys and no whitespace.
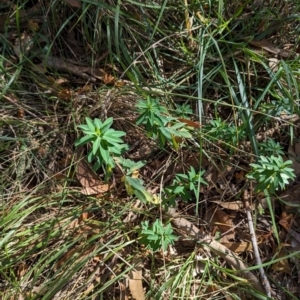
{"x":217,"y":218}
{"x":190,"y":123}
{"x":224,"y":223}
{"x":123,"y":291}
{"x":239,"y":247}
{"x":67,"y":66}
{"x":282,"y":265}
{"x":22,"y":269}
{"x":65,"y":94}
{"x":286,"y":220}
{"x":80,"y":252}
{"x":234,"y":205}
{"x":109,"y":79}
{"x":88,"y":179}
{"x":23,"y":45}
{"x":20,"y":113}
{"x":268,"y":47}
{"x":33,"y":26}
{"x":136,"y":282}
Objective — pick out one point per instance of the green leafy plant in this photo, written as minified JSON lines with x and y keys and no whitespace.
{"x":278,"y":106}
{"x":158,"y":236}
{"x":106,"y":142}
{"x":230,"y":135}
{"x":185,"y":186}
{"x":271,"y":173}
{"x":152,"y":113}
{"x":133,"y":184}
{"x":136,"y":186}
{"x":130,"y":166}
{"x":270,"y":147}
{"x":183,"y":111}
{"x":158,"y":124}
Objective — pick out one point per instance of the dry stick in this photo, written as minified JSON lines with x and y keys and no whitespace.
{"x":231,"y":258}
{"x":264,"y":279}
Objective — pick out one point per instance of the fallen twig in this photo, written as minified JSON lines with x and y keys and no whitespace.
{"x":264,"y":279}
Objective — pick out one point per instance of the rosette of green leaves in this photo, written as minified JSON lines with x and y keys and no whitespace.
{"x":271,"y":173}
{"x":157,"y":236}
{"x":105,"y":141}
{"x":159,"y":124}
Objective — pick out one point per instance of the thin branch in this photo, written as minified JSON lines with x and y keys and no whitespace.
{"x":264,"y":279}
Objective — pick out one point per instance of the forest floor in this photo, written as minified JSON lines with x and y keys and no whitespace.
{"x":196,"y":192}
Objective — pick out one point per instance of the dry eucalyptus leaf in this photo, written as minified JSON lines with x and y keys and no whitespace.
{"x":239,"y":247}
{"x":235,"y":205}
{"x":282,"y":265}
{"x":136,"y":283}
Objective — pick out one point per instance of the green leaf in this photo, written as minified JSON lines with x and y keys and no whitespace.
{"x":112,"y":139}
{"x":136,"y":183}
{"x":144,"y":196}
{"x":90,"y":156}
{"x":96,"y":145}
{"x":98,"y":123}
{"x":107,"y":123}
{"x":141,"y":119}
{"x":153,"y":237}
{"x":181,"y":177}
{"x":97,"y":165}
{"x":118,"y":149}
{"x":90,"y":124}
{"x":86,"y":128}
{"x":147,"y":231}
{"x":104,"y":154}
{"x":179,"y":190}
{"x":114,"y":133}
{"x":84,"y":140}
{"x":130,"y":165}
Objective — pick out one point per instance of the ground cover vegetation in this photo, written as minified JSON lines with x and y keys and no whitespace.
{"x":149,"y":149}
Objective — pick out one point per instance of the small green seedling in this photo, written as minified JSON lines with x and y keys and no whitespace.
{"x":158,"y":237}
{"x":106,"y":142}
{"x":271,"y":173}
{"x":270,"y":147}
{"x":158,"y":123}
{"x":185,"y":186}
{"x":230,"y":135}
